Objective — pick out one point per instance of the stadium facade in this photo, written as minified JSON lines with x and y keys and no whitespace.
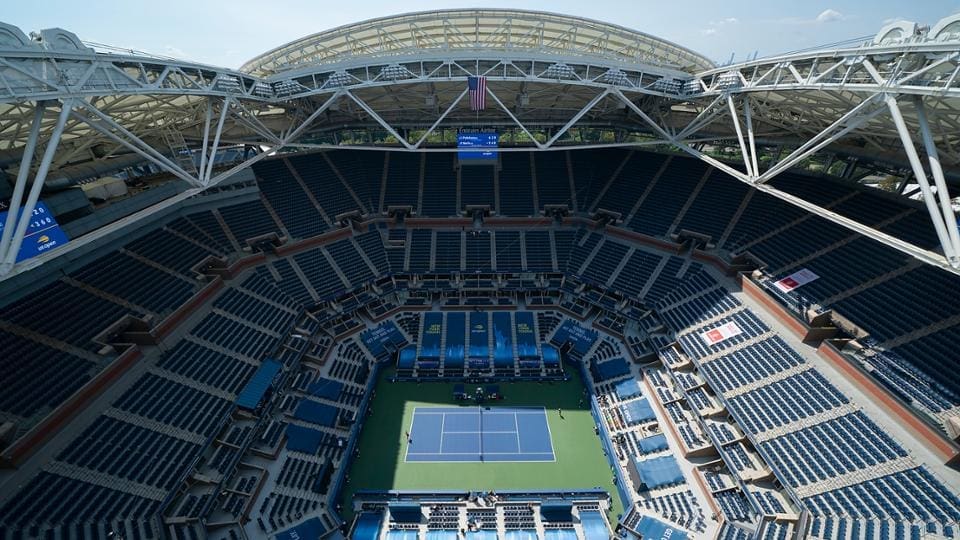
{"x":210,"y":277}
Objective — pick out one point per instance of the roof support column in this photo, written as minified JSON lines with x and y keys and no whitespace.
{"x":852,"y":118}
{"x":205,"y":175}
{"x":21,"y":184}
{"x":132,"y":142}
{"x":748,"y":116}
{"x":206,"y":136}
{"x":701,"y":120}
{"x":950,"y":219}
{"x":514,"y":118}
{"x":373,"y":114}
{"x":10,"y":257}
{"x":929,"y":198}
{"x":743,"y":147}
{"x":442,"y":116}
{"x":576,"y":118}
{"x":681,"y":145}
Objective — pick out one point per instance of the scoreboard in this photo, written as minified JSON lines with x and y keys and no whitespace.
{"x":43,"y":234}
{"x":477,"y":147}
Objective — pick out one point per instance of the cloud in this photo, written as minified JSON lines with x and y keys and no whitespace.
{"x":175,"y":52}
{"x":721,"y":22}
{"x":713,"y":27}
{"x":829,"y":15}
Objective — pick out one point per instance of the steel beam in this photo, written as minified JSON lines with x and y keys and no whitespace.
{"x":205,"y":175}
{"x":736,"y":125}
{"x":373,"y":114}
{"x":748,"y":117}
{"x":943,"y":193}
{"x":20,"y":186}
{"x":515,"y":119}
{"x":804,"y":150}
{"x":141,"y":149}
{"x":702,"y":119}
{"x":928,"y":197}
{"x":157,"y":156}
{"x":295,"y":131}
{"x":452,"y":106}
{"x":23,"y":222}
{"x":576,"y":118}
{"x":206,"y":137}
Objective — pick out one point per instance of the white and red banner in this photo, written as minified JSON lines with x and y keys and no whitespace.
{"x":797,"y":279}
{"x":720,"y":333}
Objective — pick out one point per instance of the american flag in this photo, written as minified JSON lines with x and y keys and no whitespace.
{"x":478,"y":92}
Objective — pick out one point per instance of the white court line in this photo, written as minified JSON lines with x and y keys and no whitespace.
{"x":443,"y":419}
{"x":549,"y":433}
{"x":516,"y":428}
{"x":468,"y":432}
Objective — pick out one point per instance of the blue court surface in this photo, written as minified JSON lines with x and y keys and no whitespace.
{"x":466,"y":434}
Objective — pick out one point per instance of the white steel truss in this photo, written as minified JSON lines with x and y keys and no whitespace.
{"x":547,"y":76}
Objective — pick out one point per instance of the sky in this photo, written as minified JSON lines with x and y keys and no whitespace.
{"x":228,"y":33}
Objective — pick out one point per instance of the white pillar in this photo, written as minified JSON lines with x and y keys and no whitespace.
{"x":21,"y":184}
{"x":736,"y":124}
{"x":206,"y":136}
{"x":205,"y":175}
{"x":950,"y":219}
{"x":921,"y":176}
{"x":753,"y":145}
{"x":35,"y":189}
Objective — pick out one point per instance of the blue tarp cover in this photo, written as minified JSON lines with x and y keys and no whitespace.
{"x":653,"y":444}
{"x":308,"y":530}
{"x":407,"y":357}
{"x":368,"y":526}
{"x":481,"y":535}
{"x":603,"y":371}
{"x":376,"y":339}
{"x":326,"y":388}
{"x":402,"y":534}
{"x":556,"y":510}
{"x":661,"y":471}
{"x":637,"y":411}
{"x":405,"y":512}
{"x":551,"y":357}
{"x":594,"y":528}
{"x":560,"y":534}
{"x":302,"y":439}
{"x":581,"y":338}
{"x":627,"y":389}
{"x":442,"y":535}
{"x":658,"y":530}
{"x":253,"y":392}
{"x":521,"y":535}
{"x":317,"y":413}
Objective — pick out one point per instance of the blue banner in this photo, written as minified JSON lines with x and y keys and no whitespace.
{"x":502,"y":339}
{"x":43,"y":234}
{"x":430,"y":343}
{"x":479,"y":340}
{"x":526,"y":340}
{"x":456,"y":340}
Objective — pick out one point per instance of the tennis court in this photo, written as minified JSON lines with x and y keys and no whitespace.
{"x":470,"y":434}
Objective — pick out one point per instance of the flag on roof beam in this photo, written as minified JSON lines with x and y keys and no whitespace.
{"x":478,"y":92}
